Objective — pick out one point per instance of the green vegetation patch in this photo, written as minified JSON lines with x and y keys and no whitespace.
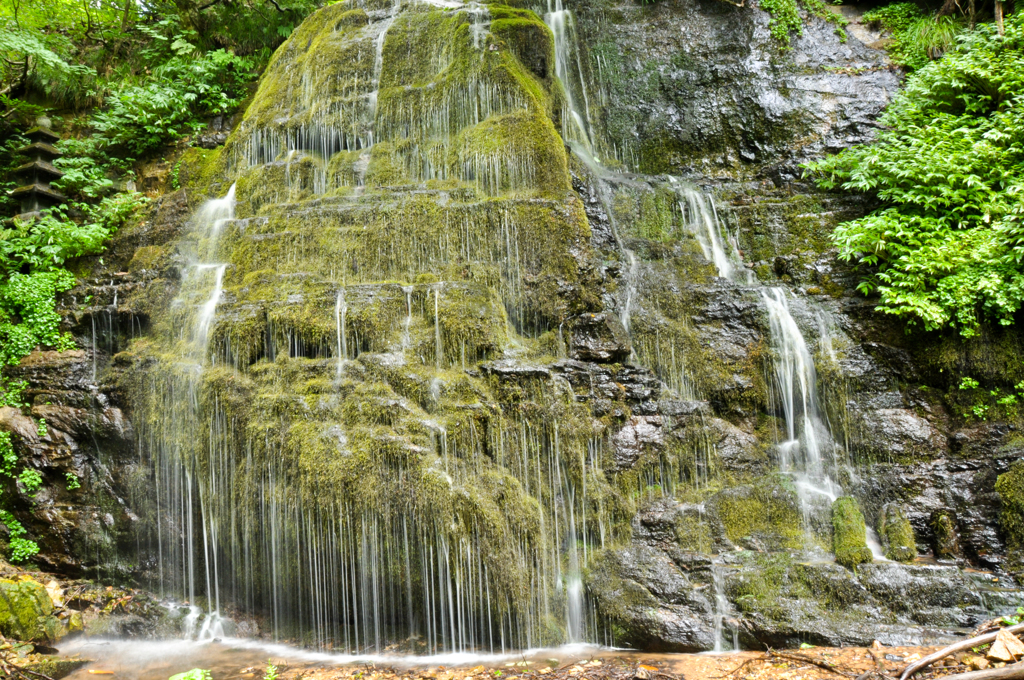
{"x":849,"y":533}
{"x":1010,"y":487}
{"x":947,"y":246}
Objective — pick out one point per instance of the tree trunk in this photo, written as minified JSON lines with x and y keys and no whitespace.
{"x":999,"y":16}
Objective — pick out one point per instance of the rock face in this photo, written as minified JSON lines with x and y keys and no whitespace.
{"x":431,"y":356}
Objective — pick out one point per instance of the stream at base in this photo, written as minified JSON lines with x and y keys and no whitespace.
{"x":239,"y":657}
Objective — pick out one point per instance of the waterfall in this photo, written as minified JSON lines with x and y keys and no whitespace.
{"x":569,"y":70}
{"x":209,"y":309}
{"x":723,"y":609}
{"x":407,"y":322}
{"x":803,"y":453}
{"x":438,"y":347}
{"x":700,"y":218}
{"x":340,"y":308}
{"x":210,"y":220}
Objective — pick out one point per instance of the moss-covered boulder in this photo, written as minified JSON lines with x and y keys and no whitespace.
{"x":945,"y":541}
{"x":1010,"y":487}
{"x":764,"y":515}
{"x":897,"y":534}
{"x":849,"y":534}
{"x":26,"y":612}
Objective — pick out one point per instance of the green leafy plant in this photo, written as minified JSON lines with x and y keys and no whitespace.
{"x":11,"y":391}
{"x":73,"y":482}
{"x":271,"y":673}
{"x":1015,"y":620}
{"x":916,"y":38}
{"x":194,"y":674}
{"x":947,"y":246}
{"x":21,"y":548}
{"x":31,"y":479}
{"x":183,"y":90}
{"x":786,"y":20}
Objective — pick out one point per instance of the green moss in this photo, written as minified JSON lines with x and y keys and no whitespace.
{"x":946,"y":543}
{"x":849,"y":533}
{"x":763,"y":586}
{"x":26,"y":612}
{"x":767,"y":511}
{"x":1010,"y":487}
{"x":897,"y":534}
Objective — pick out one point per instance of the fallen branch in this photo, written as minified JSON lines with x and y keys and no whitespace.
{"x":737,"y":669}
{"x":1014,"y":672}
{"x":953,"y":649}
{"x":814,"y":662}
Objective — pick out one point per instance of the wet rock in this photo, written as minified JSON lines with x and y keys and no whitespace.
{"x":898,"y":432}
{"x":849,"y":533}
{"x":639,"y":435}
{"x":26,"y":612}
{"x":946,"y":543}
{"x":897,"y":534}
{"x":599,"y":337}
{"x":914,"y":588}
{"x":622,"y":582}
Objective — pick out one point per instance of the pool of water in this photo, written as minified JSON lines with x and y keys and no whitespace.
{"x":239,"y":658}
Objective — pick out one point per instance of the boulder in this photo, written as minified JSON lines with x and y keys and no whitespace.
{"x":849,"y":537}
{"x":26,"y":612}
{"x":600,"y":338}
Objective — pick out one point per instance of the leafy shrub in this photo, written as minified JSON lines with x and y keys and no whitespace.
{"x":184,"y":89}
{"x":947,"y":246}
{"x":916,"y":38}
{"x":785,"y":18}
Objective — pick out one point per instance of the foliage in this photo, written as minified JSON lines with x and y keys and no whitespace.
{"x":916,"y":38}
{"x":134,"y":55}
{"x":31,"y":479}
{"x":27,"y":314}
{"x":8,"y":459}
{"x":11,"y":391}
{"x":21,"y":548}
{"x":946,"y":247}
{"x":785,"y":18}
{"x":183,"y":88}
{"x":194,"y":674}
{"x":73,"y":482}
{"x":29,"y":55}
{"x":271,"y":673}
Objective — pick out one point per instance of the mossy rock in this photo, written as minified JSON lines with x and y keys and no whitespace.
{"x":763,"y":515}
{"x":26,"y":612}
{"x":897,"y":534}
{"x":1010,"y":487}
{"x":946,"y":543}
{"x":849,"y":537}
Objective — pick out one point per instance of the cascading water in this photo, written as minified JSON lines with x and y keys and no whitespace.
{"x":723,"y":611}
{"x":466,"y":493}
{"x":807,"y":451}
{"x":340,"y":309}
{"x":568,"y":68}
{"x":700,"y":217}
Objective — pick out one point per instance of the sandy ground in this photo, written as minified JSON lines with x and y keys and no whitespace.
{"x":806,"y":664}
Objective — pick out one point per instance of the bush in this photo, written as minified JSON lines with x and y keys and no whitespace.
{"x":183,"y":90}
{"x":916,"y":38}
{"x":947,"y":246}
